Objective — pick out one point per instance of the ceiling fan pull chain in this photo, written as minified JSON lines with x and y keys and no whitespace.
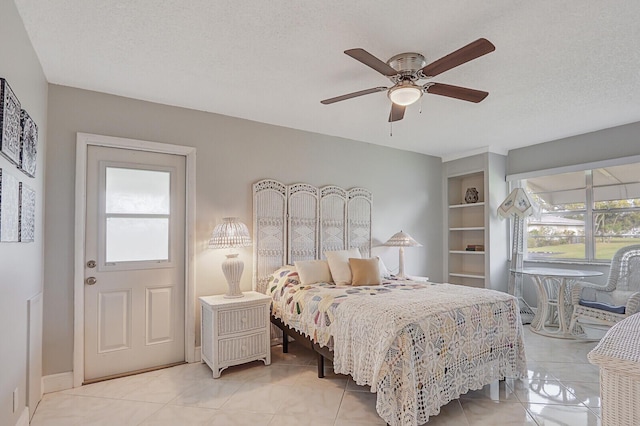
{"x":391,"y":128}
{"x":420,"y":110}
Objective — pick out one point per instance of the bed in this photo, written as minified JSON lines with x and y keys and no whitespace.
{"x":418,"y":345}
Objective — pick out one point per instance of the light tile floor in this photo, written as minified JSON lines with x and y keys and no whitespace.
{"x":562,"y":389}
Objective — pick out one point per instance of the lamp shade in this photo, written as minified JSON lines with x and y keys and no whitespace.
{"x":517,"y":203}
{"x":231,"y":233}
{"x":402,"y":239}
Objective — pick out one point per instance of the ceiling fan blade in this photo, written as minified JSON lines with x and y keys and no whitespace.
{"x":397,"y":112}
{"x":353,"y":95}
{"x":467,"y":53}
{"x":371,"y":61}
{"x":457,"y":92}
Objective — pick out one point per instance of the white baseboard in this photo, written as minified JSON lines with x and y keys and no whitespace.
{"x":57,"y":382}
{"x":64,"y":381}
{"x":24,"y":418}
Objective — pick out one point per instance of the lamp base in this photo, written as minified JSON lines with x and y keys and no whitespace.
{"x":232,"y":268}
{"x":401,"y":274}
{"x":230,"y":296}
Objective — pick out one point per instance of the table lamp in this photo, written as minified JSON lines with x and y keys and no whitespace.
{"x":231,"y":233}
{"x":402,"y":240}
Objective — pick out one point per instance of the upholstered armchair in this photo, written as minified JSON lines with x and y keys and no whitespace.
{"x":600,"y":307}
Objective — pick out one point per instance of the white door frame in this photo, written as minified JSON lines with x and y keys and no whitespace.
{"x":83,"y":140}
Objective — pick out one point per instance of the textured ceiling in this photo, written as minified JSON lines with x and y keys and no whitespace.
{"x":560,"y":68}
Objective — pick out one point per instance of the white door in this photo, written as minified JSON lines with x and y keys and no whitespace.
{"x":134,"y":261}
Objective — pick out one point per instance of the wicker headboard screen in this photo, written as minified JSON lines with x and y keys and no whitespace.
{"x":301,"y":222}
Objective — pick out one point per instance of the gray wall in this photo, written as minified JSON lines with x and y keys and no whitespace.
{"x":231,"y":155}
{"x":21,"y":265}
{"x":606,"y":144}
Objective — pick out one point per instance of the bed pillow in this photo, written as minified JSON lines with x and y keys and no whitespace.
{"x":313,"y":271}
{"x":365,"y":271}
{"x":282,"y":274}
{"x":384,"y":272}
{"x":339,"y":264}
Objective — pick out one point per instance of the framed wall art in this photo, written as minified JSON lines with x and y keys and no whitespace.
{"x":9,"y":123}
{"x":27,"y":214}
{"x":28,"y":143}
{"x":9,"y":207}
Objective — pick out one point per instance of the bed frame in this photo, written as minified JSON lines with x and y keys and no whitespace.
{"x":322,"y":352}
{"x":300,"y":222}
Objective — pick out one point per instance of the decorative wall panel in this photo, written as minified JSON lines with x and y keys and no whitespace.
{"x":9,"y":123}
{"x":333,"y":213}
{"x":301,"y":222}
{"x":28,"y":144}
{"x":9,"y":208}
{"x":302,"y":230}
{"x":269,"y":230}
{"x":26,"y":232}
{"x":359,"y":220}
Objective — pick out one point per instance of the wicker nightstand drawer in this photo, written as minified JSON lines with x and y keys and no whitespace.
{"x":235,"y":331}
{"x":237,"y":320}
{"x":240,"y":348}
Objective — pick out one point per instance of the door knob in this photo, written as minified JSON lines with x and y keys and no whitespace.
{"x":91,"y":280}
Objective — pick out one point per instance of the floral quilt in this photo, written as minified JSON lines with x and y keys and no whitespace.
{"x":418,"y":345}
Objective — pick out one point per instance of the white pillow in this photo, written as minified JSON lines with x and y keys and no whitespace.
{"x":339,"y":264}
{"x":313,"y":271}
{"x":384,"y":272}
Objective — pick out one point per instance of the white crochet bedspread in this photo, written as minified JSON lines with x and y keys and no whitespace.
{"x":420,"y":350}
{"x":418,"y":346}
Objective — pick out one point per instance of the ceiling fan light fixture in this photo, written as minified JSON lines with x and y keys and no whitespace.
{"x":405,"y":93}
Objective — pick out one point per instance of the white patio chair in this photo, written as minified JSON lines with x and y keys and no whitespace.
{"x":596,"y":308}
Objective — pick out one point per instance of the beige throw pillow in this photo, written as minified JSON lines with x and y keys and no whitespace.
{"x":339,"y":264}
{"x":365,"y":271}
{"x":313,"y":271}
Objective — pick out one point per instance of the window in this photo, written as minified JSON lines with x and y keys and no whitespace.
{"x":586,"y":215}
{"x":137,"y":213}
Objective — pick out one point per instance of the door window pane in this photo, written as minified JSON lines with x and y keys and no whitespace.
{"x":137,"y":191}
{"x":137,"y":239}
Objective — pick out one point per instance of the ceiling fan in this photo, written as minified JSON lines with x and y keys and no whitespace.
{"x":406,"y":69}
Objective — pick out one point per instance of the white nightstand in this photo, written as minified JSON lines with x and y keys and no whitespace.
{"x":235,"y":331}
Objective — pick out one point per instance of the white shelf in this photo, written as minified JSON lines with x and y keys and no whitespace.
{"x":466,"y":225}
{"x":458,"y":206}
{"x":471,"y":224}
{"x":467,"y":275}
